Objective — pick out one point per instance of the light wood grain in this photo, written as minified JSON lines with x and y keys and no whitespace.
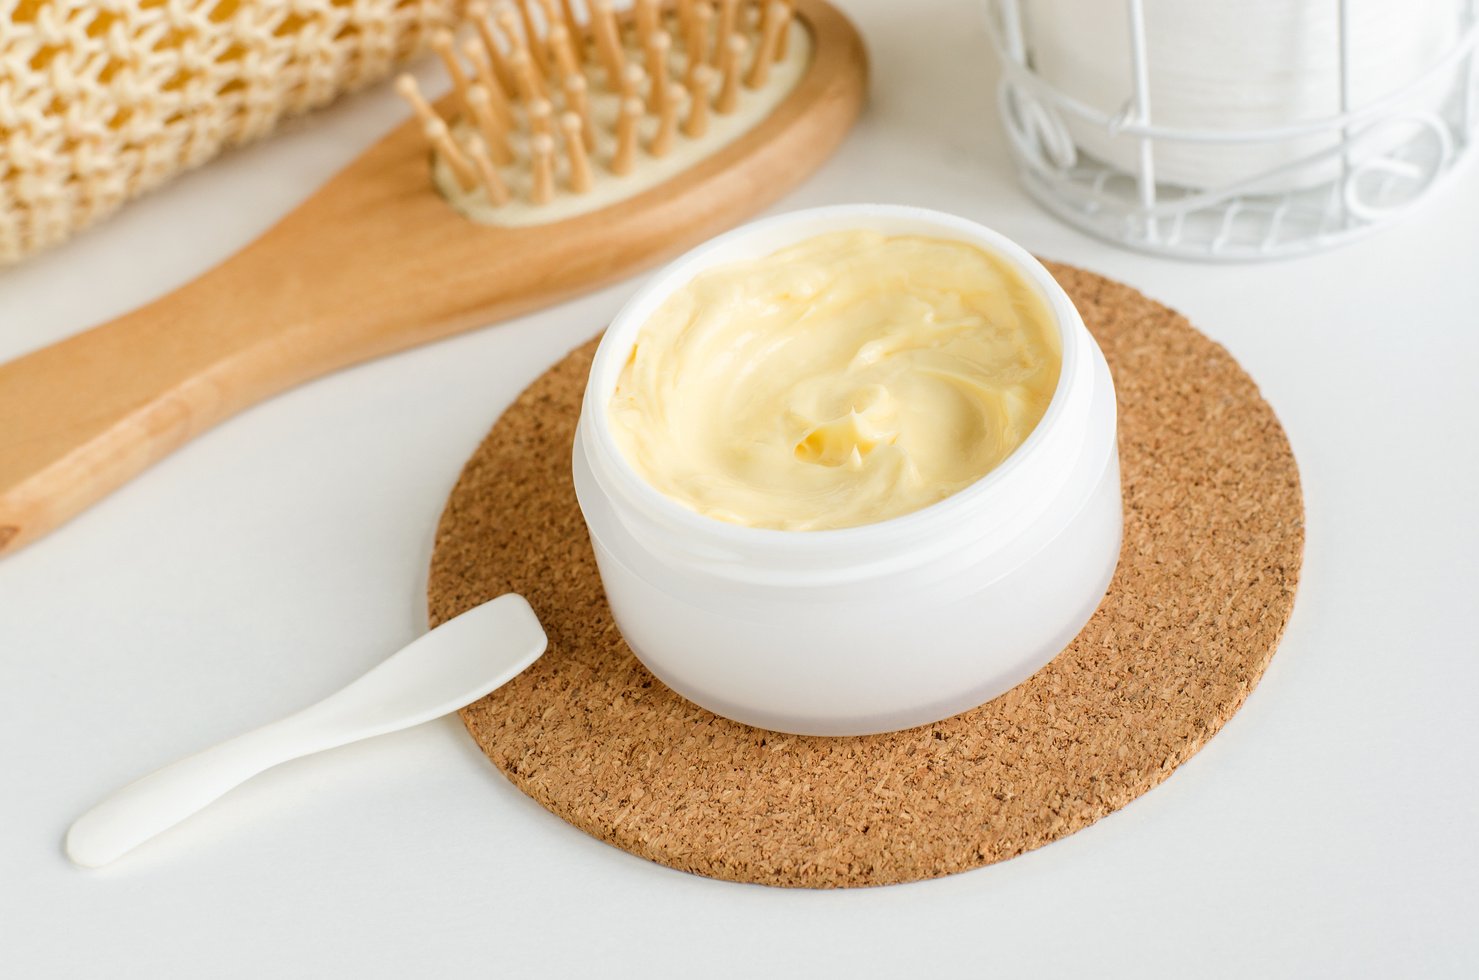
{"x":375,"y":262}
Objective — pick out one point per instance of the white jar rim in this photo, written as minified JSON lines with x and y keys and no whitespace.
{"x":989,"y":510}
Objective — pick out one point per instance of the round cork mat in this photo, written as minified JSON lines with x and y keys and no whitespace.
{"x":1214,"y":533}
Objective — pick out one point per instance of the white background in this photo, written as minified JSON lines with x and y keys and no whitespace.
{"x":1329,"y":830}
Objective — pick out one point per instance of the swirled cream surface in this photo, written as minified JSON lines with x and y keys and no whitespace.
{"x":845,"y":380}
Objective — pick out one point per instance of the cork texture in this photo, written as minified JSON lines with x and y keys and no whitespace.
{"x":1214,"y":535}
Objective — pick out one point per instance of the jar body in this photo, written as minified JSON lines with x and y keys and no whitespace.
{"x":880,"y":627}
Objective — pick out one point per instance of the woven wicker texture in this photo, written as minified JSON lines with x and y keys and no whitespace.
{"x":101,"y":100}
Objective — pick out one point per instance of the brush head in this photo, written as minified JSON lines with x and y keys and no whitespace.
{"x":570,"y":115}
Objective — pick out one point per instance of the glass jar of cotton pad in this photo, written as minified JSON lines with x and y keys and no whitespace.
{"x":731,"y":482}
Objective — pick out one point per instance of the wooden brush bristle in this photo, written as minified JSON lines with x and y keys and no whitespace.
{"x":530,"y":76}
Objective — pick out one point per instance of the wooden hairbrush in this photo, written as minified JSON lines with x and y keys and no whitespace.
{"x":542,"y":186}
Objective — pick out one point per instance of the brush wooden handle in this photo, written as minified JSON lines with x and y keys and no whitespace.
{"x":84,"y":415}
{"x":374,"y":262}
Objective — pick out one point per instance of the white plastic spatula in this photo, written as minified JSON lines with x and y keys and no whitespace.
{"x":439,"y":672}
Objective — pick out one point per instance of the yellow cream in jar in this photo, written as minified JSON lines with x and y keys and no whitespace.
{"x":845,"y":380}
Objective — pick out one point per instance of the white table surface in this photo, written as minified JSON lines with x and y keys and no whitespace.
{"x":1328,"y":830}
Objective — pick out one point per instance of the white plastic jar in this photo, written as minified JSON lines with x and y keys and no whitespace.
{"x":877,"y":627}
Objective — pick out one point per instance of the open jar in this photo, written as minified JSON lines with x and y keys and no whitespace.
{"x":876,"y":627}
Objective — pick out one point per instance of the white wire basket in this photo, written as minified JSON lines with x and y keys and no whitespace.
{"x":1378,"y":159}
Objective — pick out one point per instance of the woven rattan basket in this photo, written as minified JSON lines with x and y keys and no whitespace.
{"x":100,"y":100}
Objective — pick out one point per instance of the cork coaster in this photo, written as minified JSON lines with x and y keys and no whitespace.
{"x":1214,"y":534}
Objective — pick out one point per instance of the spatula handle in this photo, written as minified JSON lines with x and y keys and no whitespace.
{"x":456,"y":663}
{"x":151,"y":805}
